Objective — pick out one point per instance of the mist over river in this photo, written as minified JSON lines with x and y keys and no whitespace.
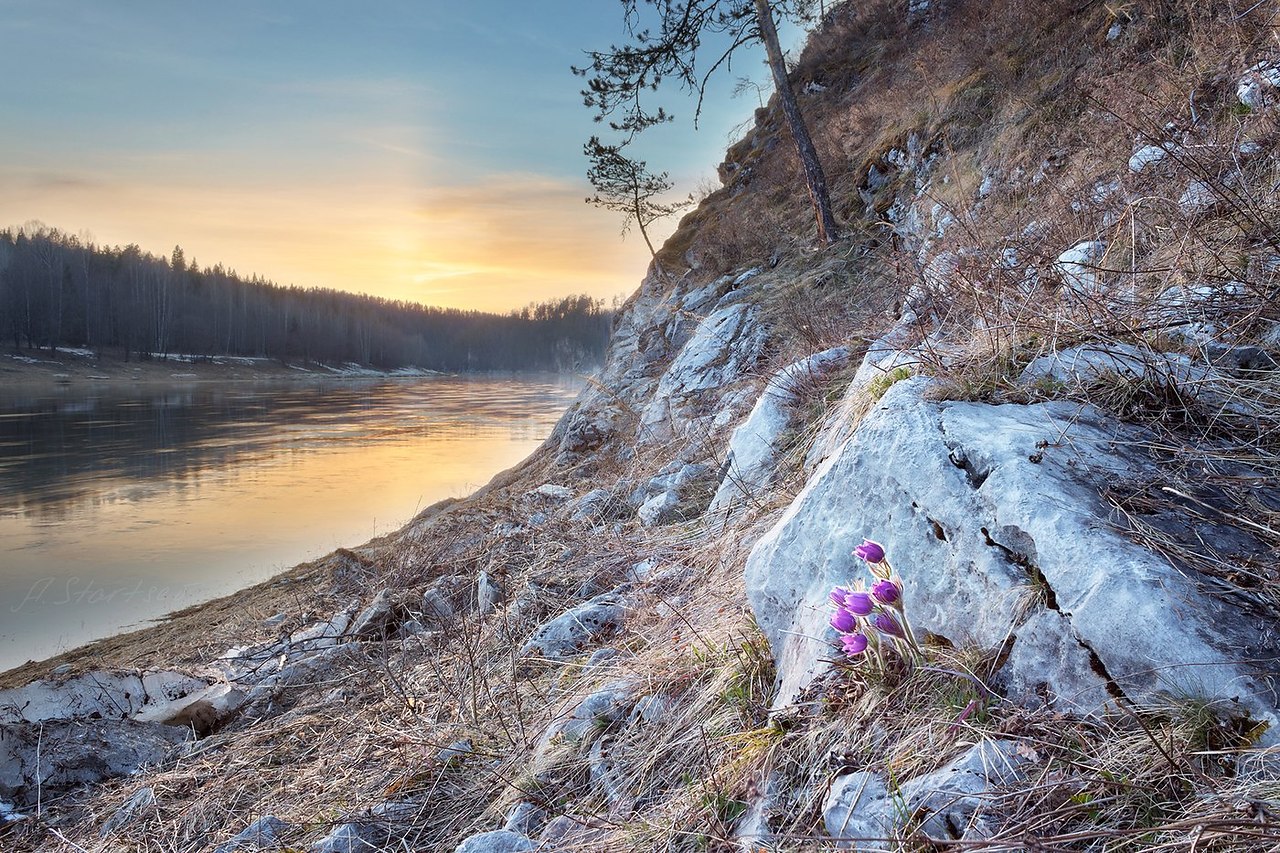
{"x":120,"y":503}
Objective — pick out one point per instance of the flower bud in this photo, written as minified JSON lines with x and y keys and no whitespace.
{"x":853,"y":644}
{"x":859,"y":603}
{"x":886,"y":592}
{"x":843,"y":621}
{"x":886,"y":624}
{"x":872,"y":552}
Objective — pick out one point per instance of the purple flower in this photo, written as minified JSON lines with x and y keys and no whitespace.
{"x":854,"y":644}
{"x":838,"y":595}
{"x":886,"y":624}
{"x":872,"y":552}
{"x":859,"y":603}
{"x":843,"y":620}
{"x":886,"y":592}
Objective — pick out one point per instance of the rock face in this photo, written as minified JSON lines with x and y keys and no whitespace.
{"x":754,"y":444}
{"x":96,"y":695}
{"x":724,"y":346}
{"x":991,"y":514}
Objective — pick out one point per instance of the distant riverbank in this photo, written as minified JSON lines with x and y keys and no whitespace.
{"x":77,"y":366}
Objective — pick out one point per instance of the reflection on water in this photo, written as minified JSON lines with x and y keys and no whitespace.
{"x":120,"y":504}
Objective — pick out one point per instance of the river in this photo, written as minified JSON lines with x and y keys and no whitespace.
{"x":121,"y":503}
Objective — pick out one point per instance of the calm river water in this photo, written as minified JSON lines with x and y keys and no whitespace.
{"x":120,"y":504}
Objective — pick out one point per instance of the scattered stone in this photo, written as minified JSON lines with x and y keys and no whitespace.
{"x":455,"y":753}
{"x":435,"y":607}
{"x":949,"y":803}
{"x":265,"y":833}
{"x":858,"y":809}
{"x":142,"y":798}
{"x":664,"y":508}
{"x":1114,"y":31}
{"x":565,"y":833}
{"x":590,"y":621}
{"x":550,"y":491}
{"x":354,"y":838}
{"x":1256,"y":89}
{"x":497,"y":841}
{"x":375,"y":619}
{"x":597,"y":711}
{"x":600,"y":656}
{"x":1078,"y":266}
{"x":1198,"y":199}
{"x":591,"y":506}
{"x":525,"y":818}
{"x":488,"y":594}
{"x":649,"y":709}
{"x":1147,"y":157}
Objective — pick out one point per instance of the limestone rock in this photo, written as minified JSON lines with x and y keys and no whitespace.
{"x":726,"y":344}
{"x":660,"y":509}
{"x":966,"y":497}
{"x":76,"y":752}
{"x":754,"y":444}
{"x":99,"y":695}
{"x":1148,"y":156}
{"x":565,"y":635}
{"x":859,"y":811}
{"x":949,"y":803}
{"x":1257,"y":87}
{"x":1078,"y":266}
{"x":498,"y":841}
{"x":265,"y":833}
{"x":353,"y":838}
{"x":525,"y":818}
{"x":488,"y":594}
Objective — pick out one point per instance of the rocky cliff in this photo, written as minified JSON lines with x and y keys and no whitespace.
{"x":1040,"y":369}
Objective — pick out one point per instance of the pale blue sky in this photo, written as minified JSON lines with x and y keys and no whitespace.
{"x":426,"y":150}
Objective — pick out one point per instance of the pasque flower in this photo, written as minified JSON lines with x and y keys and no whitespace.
{"x":859,"y":603}
{"x":886,"y":592}
{"x":886,"y":624}
{"x":839,"y":594}
{"x":853,"y":644}
{"x":872,"y":552}
{"x":843,"y":620}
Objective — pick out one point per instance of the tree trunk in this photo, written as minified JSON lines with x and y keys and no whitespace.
{"x":813,"y":173}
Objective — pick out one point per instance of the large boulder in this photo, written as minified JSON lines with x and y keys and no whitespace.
{"x":58,"y":755}
{"x":994,"y":517}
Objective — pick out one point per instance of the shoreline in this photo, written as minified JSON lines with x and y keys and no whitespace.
{"x":78,"y":367}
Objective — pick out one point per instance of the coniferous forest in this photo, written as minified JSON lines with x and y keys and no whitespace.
{"x":57,"y":290}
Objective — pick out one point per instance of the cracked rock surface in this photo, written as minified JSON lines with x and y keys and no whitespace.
{"x":993,"y":516}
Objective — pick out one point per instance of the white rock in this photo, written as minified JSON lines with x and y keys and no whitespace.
{"x":565,"y":635}
{"x":1198,"y":199}
{"x":553,"y":492}
{"x":754,"y":444}
{"x":1256,"y":89}
{"x":99,"y":694}
{"x":488,"y":594}
{"x":949,"y":802}
{"x":265,"y":833}
{"x":1078,"y":266}
{"x":938,"y":484}
{"x":726,"y":344}
{"x":1147,"y":156}
{"x":860,"y":812}
{"x":660,"y":509}
{"x":1114,"y":31}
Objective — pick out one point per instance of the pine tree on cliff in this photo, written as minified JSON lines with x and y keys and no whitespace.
{"x":619,"y":77}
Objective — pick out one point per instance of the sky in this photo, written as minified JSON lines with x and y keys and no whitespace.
{"x":414,"y":149}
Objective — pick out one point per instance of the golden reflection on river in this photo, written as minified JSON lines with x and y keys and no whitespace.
{"x":119,"y":505}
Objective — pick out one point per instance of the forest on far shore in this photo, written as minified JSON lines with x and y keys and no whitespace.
{"x":57,"y":290}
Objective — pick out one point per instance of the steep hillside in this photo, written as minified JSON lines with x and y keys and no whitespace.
{"x":1040,"y":370}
